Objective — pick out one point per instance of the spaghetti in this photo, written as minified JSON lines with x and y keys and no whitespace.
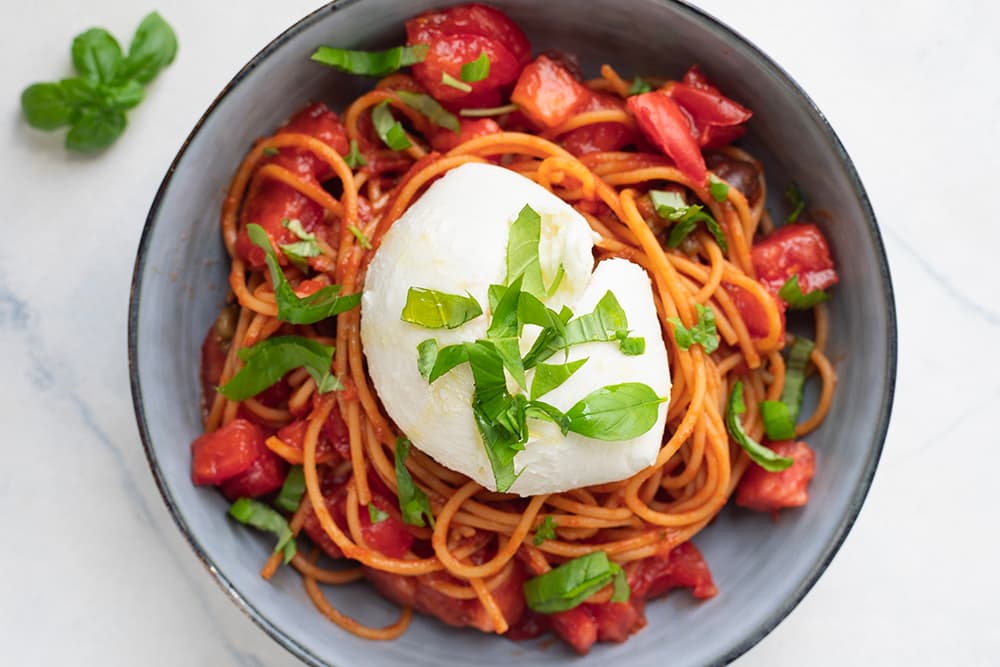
{"x":469,"y":567}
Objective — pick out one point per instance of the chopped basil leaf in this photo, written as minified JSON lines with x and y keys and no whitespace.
{"x":615,"y":412}
{"x":376,"y":515}
{"x":413,"y":501}
{"x":631,"y":346}
{"x":545,"y":531}
{"x":269,"y":360}
{"x":620,"y":588}
{"x":477,"y":70}
{"x":549,"y":413}
{"x":292,"y":490}
{"x":490,"y":111}
{"x":323,"y":303}
{"x":433,"y":362}
{"x":604,"y":323}
{"x":568,"y":585}
{"x":270,"y":151}
{"x":670,"y":206}
{"x":550,"y":376}
{"x":370,"y":63}
{"x":360,"y":236}
{"x":304,"y":248}
{"x":432,"y":309}
{"x":429,"y":107}
{"x":449,"y":80}
{"x":639,"y":86}
{"x":703,"y":332}
{"x":388,"y":129}
{"x":793,"y":296}
{"x":763,"y":456}
{"x":504,"y":330}
{"x":556,"y":280}
{"x":718,"y":188}
{"x":354,"y":158}
{"x":522,"y":251}
{"x":254,"y":513}
{"x":780,"y":416}
{"x":794,"y":197}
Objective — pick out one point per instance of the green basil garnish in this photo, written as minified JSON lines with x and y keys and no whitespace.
{"x":477,"y":70}
{"x":413,"y":502}
{"x":793,"y":296}
{"x":360,"y":236}
{"x":354,"y":158}
{"x":300,"y":251}
{"x":670,"y":206}
{"x":433,"y":362}
{"x":639,"y":86}
{"x":370,"y":63}
{"x":718,"y":189}
{"x":522,"y":251}
{"x":258,"y":515}
{"x":438,"y":310}
{"x":615,"y":412}
{"x":109,"y":83}
{"x":780,"y":416}
{"x":549,"y":376}
{"x":763,"y":456}
{"x":794,"y":197}
{"x":269,"y":360}
{"x":568,"y":585}
{"x":388,"y":129}
{"x":703,"y":331}
{"x":429,"y":107}
{"x":325,"y":302}
{"x":292,"y":490}
{"x":489,"y":111}
{"x":449,"y":80}
{"x":376,"y":515}
{"x":545,"y":531}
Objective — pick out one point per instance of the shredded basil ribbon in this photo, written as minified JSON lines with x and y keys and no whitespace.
{"x":269,"y":360}
{"x":477,"y":70}
{"x":292,"y":490}
{"x":793,"y":296}
{"x":568,"y":585}
{"x":545,"y":531}
{"x":376,"y":515}
{"x":413,"y":502}
{"x":671,"y":206}
{"x":763,"y":456}
{"x":254,"y":513}
{"x":370,"y":63}
{"x":702,"y":332}
{"x":794,"y":197}
{"x":388,"y":129}
{"x":781,"y":416}
{"x":438,"y":310}
{"x":457,"y":84}
{"x":429,"y":107}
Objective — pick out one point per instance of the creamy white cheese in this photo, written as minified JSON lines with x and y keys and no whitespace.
{"x":454,"y":239}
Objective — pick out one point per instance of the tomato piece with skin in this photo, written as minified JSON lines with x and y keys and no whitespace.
{"x":683,"y":566}
{"x":753,"y":312}
{"x":670,"y":129}
{"x":319,"y":121}
{"x":617,"y":621}
{"x":796,"y":249}
{"x":389,"y":536}
{"x":707,"y":107}
{"x":265,"y":475}
{"x":294,"y":435}
{"x":444,"y":140}
{"x":226,"y":452}
{"x":335,"y":430}
{"x":599,"y":137}
{"x":547,"y":93}
{"x":272,"y":203}
{"x":765,"y":491}
{"x":333,"y":490}
{"x":476,"y":19}
{"x":213,"y":359}
{"x":577,"y":627}
{"x":447,"y":53}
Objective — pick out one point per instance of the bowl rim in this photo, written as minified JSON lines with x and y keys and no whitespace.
{"x":889,"y":372}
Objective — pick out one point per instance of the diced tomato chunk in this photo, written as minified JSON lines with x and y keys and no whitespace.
{"x":531,"y":625}
{"x":448,"y":52}
{"x":771,"y":491}
{"x":797,"y":249}
{"x":577,"y":627}
{"x":265,"y":475}
{"x":294,"y":435}
{"x":334,"y":493}
{"x":444,"y":140}
{"x":718,"y":120}
{"x":319,"y":121}
{"x":269,"y":205}
{"x":599,"y":137}
{"x":389,"y":536}
{"x":547,"y":93}
{"x":682,"y":567}
{"x":226,"y":452}
{"x":695,"y":78}
{"x":476,"y":19}
{"x":670,"y":128}
{"x":335,"y":430}
{"x":714,"y":136}
{"x":753,"y":312}
{"x":616,"y":621}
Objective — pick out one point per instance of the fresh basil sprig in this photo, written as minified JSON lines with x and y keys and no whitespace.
{"x":439,"y":310}
{"x":671,"y":206}
{"x":413,"y":502}
{"x":702,"y":332}
{"x":255,"y":513}
{"x":477,"y":70}
{"x":370,"y":63}
{"x":780,"y":416}
{"x":321,"y":304}
{"x":429,"y":107}
{"x":108,"y":84}
{"x":292,"y":490}
{"x":545,"y":531}
{"x":388,"y":129}
{"x":269,"y":360}
{"x":763,"y":456}
{"x":791,"y":292}
{"x":568,"y":585}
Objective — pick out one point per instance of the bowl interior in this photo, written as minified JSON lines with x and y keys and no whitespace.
{"x":762,"y":568}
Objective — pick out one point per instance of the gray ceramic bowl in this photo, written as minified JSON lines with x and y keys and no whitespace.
{"x":762,"y":568}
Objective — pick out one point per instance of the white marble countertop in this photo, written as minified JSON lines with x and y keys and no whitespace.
{"x":97,"y":573}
